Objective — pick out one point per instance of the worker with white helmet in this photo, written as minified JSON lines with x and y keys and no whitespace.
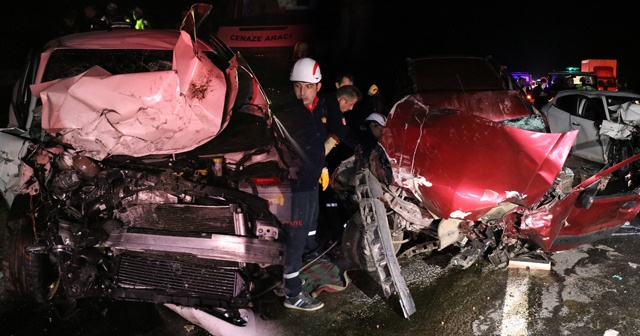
{"x":307,"y":119}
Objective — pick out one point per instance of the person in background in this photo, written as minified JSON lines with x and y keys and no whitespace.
{"x":344,"y":78}
{"x":93,"y":19}
{"x":137,"y":19}
{"x":621,"y":85}
{"x":116,"y":18}
{"x":69,"y":23}
{"x":540,"y":94}
{"x":522,"y":82}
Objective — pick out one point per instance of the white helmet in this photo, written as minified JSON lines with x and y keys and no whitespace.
{"x":306,"y":70}
{"x":377,"y":117}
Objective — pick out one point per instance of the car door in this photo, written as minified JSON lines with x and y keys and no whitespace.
{"x":611,"y":201}
{"x":559,"y":112}
{"x":591,"y":113}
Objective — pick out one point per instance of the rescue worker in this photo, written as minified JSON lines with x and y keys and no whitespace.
{"x":346,"y":96}
{"x":336,"y":150}
{"x":137,"y":20}
{"x":306,"y":118}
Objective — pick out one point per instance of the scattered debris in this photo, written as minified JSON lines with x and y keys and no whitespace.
{"x":605,"y":248}
{"x":611,"y":332}
{"x":617,"y":277}
{"x":530,"y":264}
{"x":633,"y":265}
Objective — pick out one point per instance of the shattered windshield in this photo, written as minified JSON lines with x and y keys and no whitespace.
{"x":71,"y":62}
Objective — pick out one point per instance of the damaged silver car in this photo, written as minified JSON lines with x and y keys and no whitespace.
{"x":607,"y":123}
{"x":143,"y":165}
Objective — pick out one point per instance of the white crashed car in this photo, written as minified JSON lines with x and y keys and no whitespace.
{"x":607,"y":123}
{"x":142,"y":165}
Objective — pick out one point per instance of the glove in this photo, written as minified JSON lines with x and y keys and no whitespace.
{"x":324,"y":178}
{"x":329,"y":144}
{"x":373,"y":90}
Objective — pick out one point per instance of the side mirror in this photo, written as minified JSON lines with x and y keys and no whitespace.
{"x":586,"y":198}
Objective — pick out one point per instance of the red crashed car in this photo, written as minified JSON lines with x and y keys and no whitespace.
{"x":444,"y":177}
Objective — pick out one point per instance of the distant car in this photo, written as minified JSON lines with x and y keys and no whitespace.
{"x":142,"y":165}
{"x":477,"y":85}
{"x":586,"y":111}
{"x":580,"y":80}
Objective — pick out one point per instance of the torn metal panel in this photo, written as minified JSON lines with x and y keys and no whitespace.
{"x":12,"y":172}
{"x":471,"y":163}
{"x":378,"y":240}
{"x":140,"y":113}
{"x":623,"y":123}
{"x":567,"y":219}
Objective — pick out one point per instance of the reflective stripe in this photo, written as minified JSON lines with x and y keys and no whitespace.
{"x":331,"y":205}
{"x":312,"y":233}
{"x":291,"y":275}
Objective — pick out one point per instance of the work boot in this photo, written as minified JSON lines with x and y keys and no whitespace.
{"x":303,"y":301}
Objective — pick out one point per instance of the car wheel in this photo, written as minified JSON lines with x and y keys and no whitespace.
{"x":26,"y":276}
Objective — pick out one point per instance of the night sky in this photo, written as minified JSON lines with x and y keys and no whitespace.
{"x":529,"y":36}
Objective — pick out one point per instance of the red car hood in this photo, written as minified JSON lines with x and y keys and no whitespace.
{"x":492,"y":105}
{"x":460,"y":165}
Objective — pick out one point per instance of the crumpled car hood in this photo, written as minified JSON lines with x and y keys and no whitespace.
{"x":142,"y":113}
{"x":629,"y":115}
{"x":460,"y":165}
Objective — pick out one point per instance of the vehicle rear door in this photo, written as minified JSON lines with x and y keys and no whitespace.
{"x":560,"y":111}
{"x":591,"y":113}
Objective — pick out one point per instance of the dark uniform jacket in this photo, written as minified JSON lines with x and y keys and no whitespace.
{"x":310,"y":129}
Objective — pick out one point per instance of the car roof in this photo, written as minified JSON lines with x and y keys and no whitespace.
{"x":597,"y":93}
{"x":133,"y":39}
{"x":152,"y":39}
{"x":456,"y":72}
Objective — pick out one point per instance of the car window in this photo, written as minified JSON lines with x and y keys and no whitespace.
{"x":71,"y":62}
{"x":593,"y":109}
{"x":568,"y":103}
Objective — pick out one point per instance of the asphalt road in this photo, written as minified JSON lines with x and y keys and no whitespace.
{"x":590,"y":290}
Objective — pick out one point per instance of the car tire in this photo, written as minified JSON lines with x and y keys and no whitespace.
{"x":26,"y":276}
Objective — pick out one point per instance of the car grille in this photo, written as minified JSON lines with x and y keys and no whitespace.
{"x":179,"y":275}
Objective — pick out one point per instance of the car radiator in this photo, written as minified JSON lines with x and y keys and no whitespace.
{"x":177,"y":279}
{"x":184,"y":254}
